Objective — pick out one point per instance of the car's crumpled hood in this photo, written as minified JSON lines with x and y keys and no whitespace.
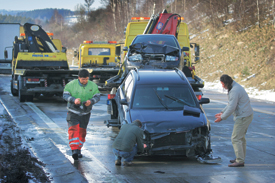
{"x":163,"y":121}
{"x":148,"y":48}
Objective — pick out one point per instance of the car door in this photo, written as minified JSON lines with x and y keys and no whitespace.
{"x":124,"y":95}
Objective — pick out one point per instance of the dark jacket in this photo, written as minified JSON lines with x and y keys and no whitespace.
{"x":129,"y":135}
{"x":74,"y":90}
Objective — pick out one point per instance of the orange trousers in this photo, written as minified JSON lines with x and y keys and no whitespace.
{"x":77,"y":126}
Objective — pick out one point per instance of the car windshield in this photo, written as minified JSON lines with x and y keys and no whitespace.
{"x":162,"y":40}
{"x":163,"y":97}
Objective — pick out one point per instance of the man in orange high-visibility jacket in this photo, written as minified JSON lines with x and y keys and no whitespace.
{"x":81,"y":94}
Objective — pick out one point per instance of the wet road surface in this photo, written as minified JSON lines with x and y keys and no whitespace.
{"x":44,"y":121}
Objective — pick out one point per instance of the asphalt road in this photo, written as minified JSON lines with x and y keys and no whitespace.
{"x":43,"y":124}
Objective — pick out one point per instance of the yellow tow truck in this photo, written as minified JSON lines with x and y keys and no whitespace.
{"x":101,"y":59}
{"x":150,"y":25}
{"x":38,"y":67}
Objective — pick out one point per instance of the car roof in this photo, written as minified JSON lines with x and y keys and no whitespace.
{"x":157,"y":35}
{"x":160,"y":77}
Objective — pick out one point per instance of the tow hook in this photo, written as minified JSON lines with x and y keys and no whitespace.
{"x":209,"y":159}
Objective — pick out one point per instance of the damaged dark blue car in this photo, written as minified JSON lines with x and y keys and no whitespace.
{"x":173,"y":119}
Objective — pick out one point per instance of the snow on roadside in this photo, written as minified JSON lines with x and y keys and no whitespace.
{"x":268,"y":95}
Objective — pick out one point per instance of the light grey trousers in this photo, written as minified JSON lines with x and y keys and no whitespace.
{"x":238,"y":137}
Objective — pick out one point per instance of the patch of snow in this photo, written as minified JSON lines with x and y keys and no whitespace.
{"x":205,"y":31}
{"x":229,"y":21}
{"x":211,"y":56}
{"x":249,"y":77}
{"x":193,"y":36}
{"x":268,"y":95}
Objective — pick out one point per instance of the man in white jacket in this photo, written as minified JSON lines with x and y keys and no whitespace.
{"x":239,"y":106}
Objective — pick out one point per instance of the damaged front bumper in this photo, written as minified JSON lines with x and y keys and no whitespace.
{"x":192,"y":143}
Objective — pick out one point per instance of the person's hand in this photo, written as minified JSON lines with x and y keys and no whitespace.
{"x":218,"y":119}
{"x":77,"y":101}
{"x":87,"y":103}
{"x":217,"y":115}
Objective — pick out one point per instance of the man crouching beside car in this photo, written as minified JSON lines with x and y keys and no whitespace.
{"x":128,"y":143}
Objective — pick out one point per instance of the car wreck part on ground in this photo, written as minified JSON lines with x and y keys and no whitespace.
{"x":209,"y":159}
{"x":189,"y":143}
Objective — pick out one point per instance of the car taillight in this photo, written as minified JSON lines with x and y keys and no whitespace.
{"x":198,"y":97}
{"x":96,"y":76}
{"x":111,"y":96}
{"x":33,"y":79}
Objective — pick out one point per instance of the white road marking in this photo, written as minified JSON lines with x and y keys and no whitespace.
{"x":98,"y":168}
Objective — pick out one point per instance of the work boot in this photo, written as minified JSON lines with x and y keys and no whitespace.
{"x":126,"y":163}
{"x":79,"y":154}
{"x":117,"y":162}
{"x":75,"y":154}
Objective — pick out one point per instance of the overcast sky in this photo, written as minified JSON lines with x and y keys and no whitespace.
{"x":42,"y":4}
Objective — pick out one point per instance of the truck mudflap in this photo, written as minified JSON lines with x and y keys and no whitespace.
{"x":209,"y":159}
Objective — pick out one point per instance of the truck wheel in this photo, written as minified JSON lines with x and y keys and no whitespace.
{"x":13,"y":91}
{"x":22,"y":98}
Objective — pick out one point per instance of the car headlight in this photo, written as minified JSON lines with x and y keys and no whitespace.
{"x":144,"y":136}
{"x":135,"y":58}
{"x":169,"y":58}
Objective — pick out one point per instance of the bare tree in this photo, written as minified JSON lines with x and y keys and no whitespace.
{"x":258,"y":10}
{"x":80,"y":13}
{"x":114,"y":13}
{"x":88,"y":4}
{"x":273,"y":7}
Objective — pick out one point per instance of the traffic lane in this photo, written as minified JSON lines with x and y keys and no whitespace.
{"x":260,"y":161}
{"x":261,"y":129}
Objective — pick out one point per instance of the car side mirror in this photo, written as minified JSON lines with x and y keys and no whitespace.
{"x":118,"y":48}
{"x":64,"y":49}
{"x":6,"y":54}
{"x":123,"y":102}
{"x":197,"y":50}
{"x":185,"y":48}
{"x":204,"y":101}
{"x":75,"y":53}
{"x":125,"y":48}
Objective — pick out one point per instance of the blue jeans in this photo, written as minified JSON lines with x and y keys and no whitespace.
{"x":128,"y":156}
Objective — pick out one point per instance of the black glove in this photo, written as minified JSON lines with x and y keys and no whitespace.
{"x":92,"y":101}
